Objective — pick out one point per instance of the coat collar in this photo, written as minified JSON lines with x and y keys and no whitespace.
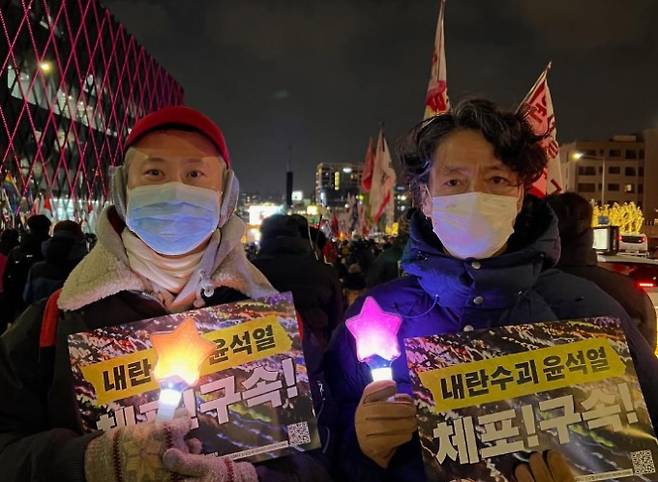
{"x":493,"y":283}
{"x":105,"y":271}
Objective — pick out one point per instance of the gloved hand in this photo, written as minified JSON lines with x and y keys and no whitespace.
{"x":384,"y":420}
{"x":548,"y":467}
{"x":207,"y":468}
{"x":135,"y":453}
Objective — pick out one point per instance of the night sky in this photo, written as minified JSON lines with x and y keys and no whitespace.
{"x":321,"y":75}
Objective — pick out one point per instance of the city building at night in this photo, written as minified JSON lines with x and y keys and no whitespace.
{"x":248,"y":199}
{"x":72,"y":83}
{"x":621,"y":169}
{"x":336,"y":182}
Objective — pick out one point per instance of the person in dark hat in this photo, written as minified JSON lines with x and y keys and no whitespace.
{"x":62,"y":252}
{"x":288,"y":259}
{"x":578,"y":258}
{"x":169,"y":242}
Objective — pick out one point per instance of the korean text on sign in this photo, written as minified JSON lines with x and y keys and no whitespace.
{"x":520,"y":374}
{"x":129,"y":375}
{"x":514,"y":430}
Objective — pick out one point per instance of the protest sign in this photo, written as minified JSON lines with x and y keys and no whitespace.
{"x":487,"y":399}
{"x":252,"y":400}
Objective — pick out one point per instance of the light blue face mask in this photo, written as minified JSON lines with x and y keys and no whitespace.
{"x":172,"y":218}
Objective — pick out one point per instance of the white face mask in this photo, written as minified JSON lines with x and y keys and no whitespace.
{"x":474,"y":224}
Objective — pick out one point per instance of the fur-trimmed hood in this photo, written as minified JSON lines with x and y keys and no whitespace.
{"x":105,"y":271}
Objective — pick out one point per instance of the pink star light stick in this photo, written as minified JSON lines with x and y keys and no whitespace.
{"x":376,"y":334}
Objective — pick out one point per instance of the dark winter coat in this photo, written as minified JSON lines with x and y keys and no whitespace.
{"x":62,"y":253}
{"x":19,"y":262}
{"x":40,"y":431}
{"x":386,"y":266}
{"x":443,"y":294}
{"x":289,"y":264}
{"x":579,"y":259}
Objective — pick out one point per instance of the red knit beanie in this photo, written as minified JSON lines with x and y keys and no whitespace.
{"x":181,"y":116}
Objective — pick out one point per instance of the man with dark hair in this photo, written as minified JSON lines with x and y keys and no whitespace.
{"x":19,"y":262}
{"x":481,"y":254}
{"x":579,"y":259}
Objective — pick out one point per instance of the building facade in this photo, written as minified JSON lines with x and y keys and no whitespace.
{"x":72,"y":83}
{"x":336,"y":182}
{"x":621,"y":169}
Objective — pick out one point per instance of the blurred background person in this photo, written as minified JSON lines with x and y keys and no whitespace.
{"x":20,"y":260}
{"x":354,"y":283}
{"x":579,"y":258}
{"x":386,"y":266}
{"x":8,"y":241}
{"x":289,"y":259}
{"x":323,"y":247}
{"x":62,"y":252}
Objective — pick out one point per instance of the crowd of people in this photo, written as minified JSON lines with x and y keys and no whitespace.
{"x":476,"y":252}
{"x":34,"y":264}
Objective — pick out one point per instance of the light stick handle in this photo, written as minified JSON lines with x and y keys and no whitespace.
{"x":168,"y":403}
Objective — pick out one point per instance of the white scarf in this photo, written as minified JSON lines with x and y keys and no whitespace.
{"x":106,"y":271}
{"x":177,"y":282}
{"x":168,"y":273}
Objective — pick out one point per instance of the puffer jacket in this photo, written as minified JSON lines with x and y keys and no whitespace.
{"x":443,"y":294}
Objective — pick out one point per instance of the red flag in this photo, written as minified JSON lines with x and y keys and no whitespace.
{"x":335,"y":227}
{"x":539,"y":107}
{"x":366,"y":177}
{"x":436,"y":100}
{"x":383,"y":181}
{"x":42,"y":205}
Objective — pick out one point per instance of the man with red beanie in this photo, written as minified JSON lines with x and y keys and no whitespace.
{"x":169,"y":242}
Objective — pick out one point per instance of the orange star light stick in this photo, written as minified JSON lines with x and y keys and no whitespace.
{"x":180,"y":355}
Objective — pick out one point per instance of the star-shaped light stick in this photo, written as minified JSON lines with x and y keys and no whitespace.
{"x":180,"y":355}
{"x":376,"y":334}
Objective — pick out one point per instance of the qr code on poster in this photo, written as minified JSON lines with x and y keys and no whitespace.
{"x":298,"y":434}
{"x":642,"y":462}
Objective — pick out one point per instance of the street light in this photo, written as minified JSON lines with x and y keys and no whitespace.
{"x":45,"y":66}
{"x":578,"y":155}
